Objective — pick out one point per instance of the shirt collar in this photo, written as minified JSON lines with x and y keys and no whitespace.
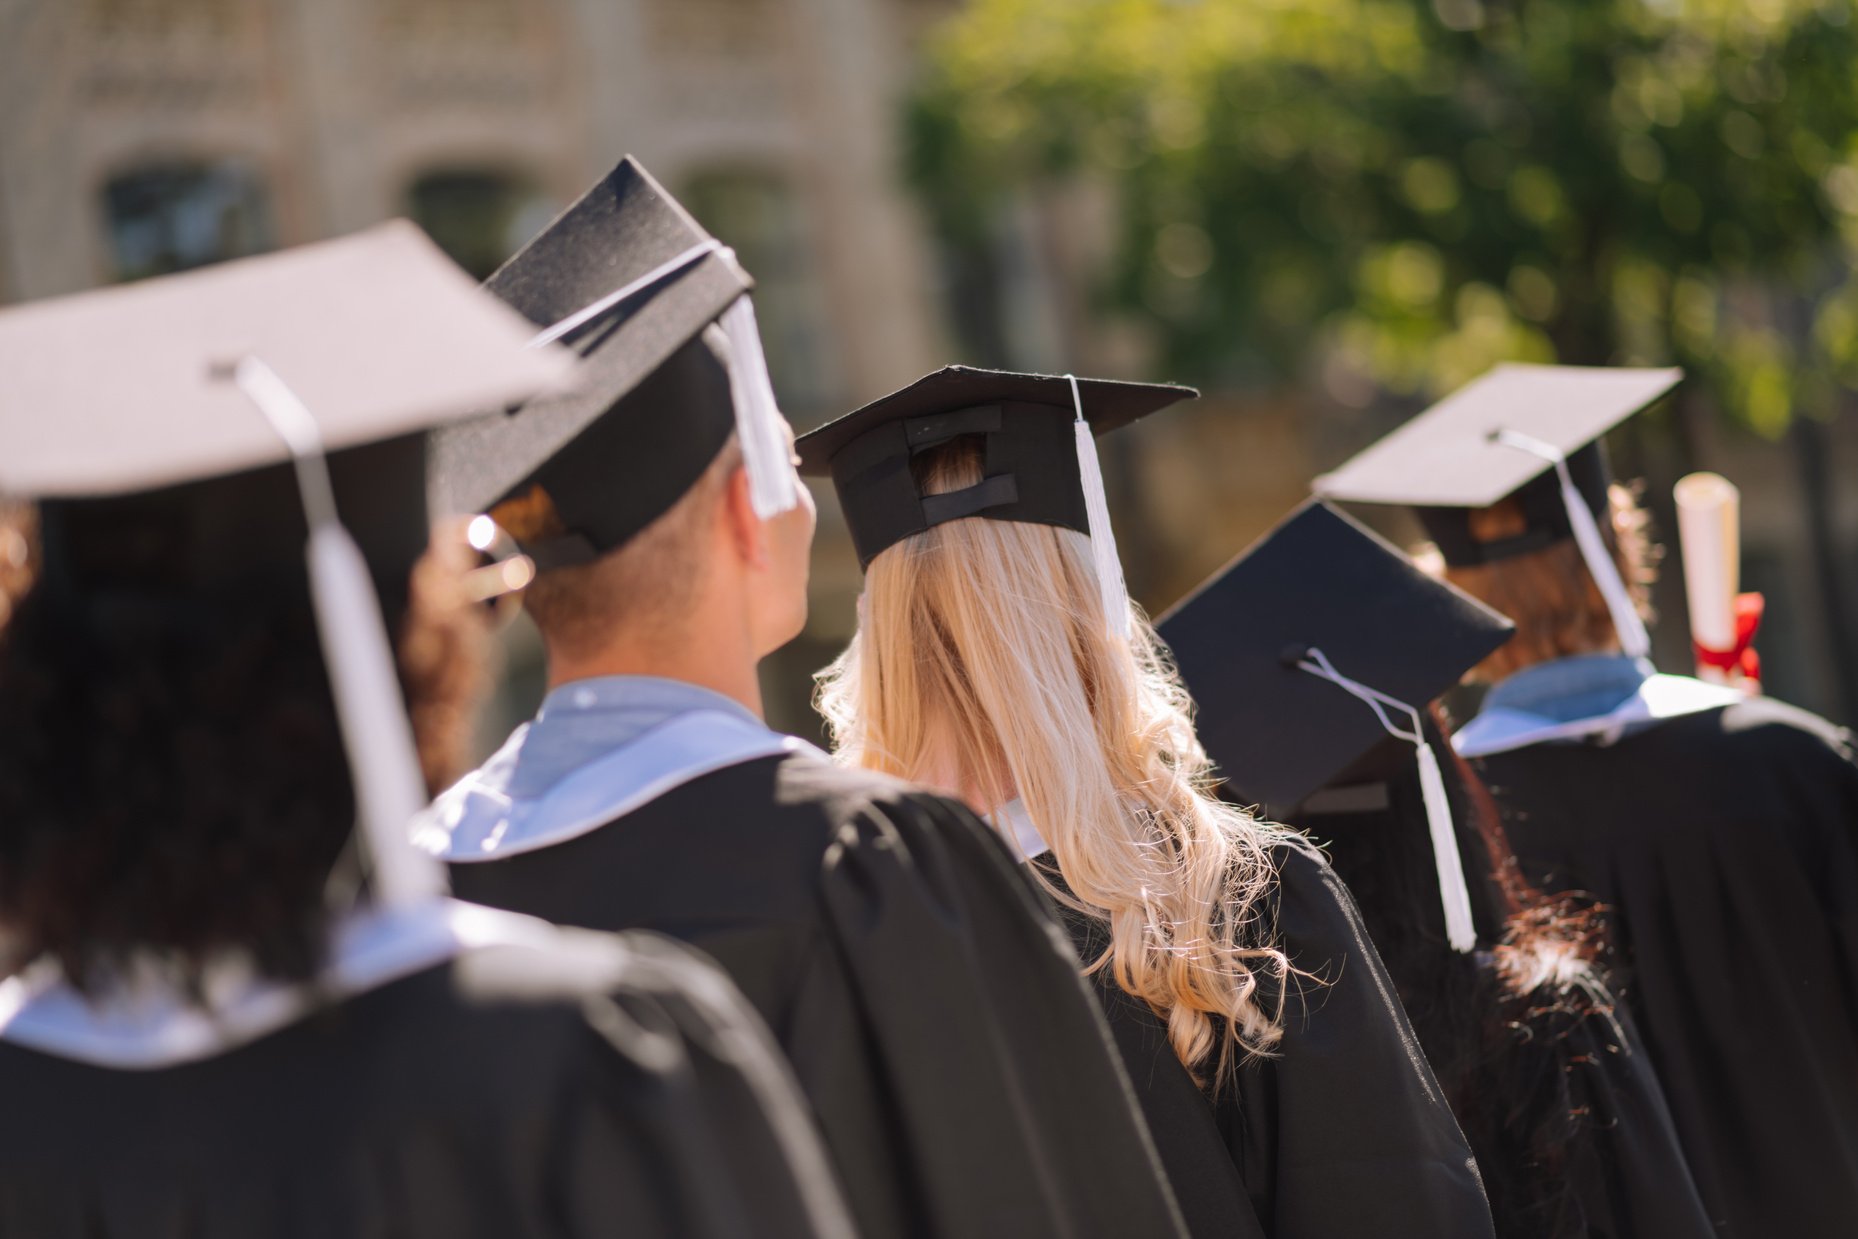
{"x":145,"y":1019}
{"x":1565,"y":689}
{"x":636,"y":695}
{"x":1021,"y":832}
{"x":586,"y":719}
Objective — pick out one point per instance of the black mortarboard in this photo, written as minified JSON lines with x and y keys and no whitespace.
{"x":633,"y":284}
{"x":1039,"y":464}
{"x":1318,"y":580}
{"x":1451,"y":458}
{"x":1031,"y":468}
{"x":1313,"y":648}
{"x":170,"y":469}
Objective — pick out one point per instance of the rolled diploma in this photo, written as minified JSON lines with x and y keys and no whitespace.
{"x":1708,"y":527}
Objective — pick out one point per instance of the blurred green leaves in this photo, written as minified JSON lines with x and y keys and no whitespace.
{"x":1422,"y":187}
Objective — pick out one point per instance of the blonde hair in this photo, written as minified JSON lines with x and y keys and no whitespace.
{"x":1550,"y":593}
{"x":982,"y":652}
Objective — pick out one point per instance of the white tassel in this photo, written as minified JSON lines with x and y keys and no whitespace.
{"x":1111,"y":588}
{"x":382,"y":760}
{"x":1454,"y":893}
{"x":383,"y":764}
{"x":1633,"y":639}
{"x":773,"y":484}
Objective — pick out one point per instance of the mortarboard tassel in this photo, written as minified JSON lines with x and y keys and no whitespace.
{"x":1633,"y":639}
{"x":1454,"y":893}
{"x":1111,"y":588}
{"x":382,"y":759}
{"x":773,"y":484}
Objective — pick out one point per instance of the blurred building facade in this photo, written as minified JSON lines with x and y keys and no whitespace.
{"x":139,"y":137}
{"x":144,"y":136}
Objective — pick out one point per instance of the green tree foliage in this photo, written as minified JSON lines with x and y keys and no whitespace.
{"x":1413,"y":189}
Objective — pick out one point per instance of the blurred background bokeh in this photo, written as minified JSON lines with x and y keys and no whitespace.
{"x":1322,"y":212}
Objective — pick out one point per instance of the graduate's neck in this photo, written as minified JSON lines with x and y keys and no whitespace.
{"x":717,"y":657}
{"x":742,"y":595}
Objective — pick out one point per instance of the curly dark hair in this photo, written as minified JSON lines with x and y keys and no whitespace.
{"x":172,"y":776}
{"x":1498,"y":1026}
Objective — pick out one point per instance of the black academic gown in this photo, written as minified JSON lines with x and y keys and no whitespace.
{"x":1343,"y":1133}
{"x":1553,"y":1086}
{"x":595,"y":1087}
{"x":1726,"y":842}
{"x":930,"y":1005}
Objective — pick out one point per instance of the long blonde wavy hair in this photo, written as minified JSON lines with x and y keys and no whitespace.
{"x":982,"y":662}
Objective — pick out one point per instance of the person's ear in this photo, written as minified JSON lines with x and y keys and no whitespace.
{"x":746,"y":531}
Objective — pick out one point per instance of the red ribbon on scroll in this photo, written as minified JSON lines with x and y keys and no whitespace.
{"x":1740,"y":659}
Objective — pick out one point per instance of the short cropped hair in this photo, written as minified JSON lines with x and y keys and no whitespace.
{"x":646,"y":585}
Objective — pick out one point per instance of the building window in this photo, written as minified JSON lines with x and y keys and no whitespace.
{"x":754,"y":212}
{"x":486,"y":22}
{"x":156,"y":19}
{"x":173,"y":217}
{"x":478,"y":217}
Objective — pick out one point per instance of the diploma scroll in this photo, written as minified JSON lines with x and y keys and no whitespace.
{"x":1722,"y":619}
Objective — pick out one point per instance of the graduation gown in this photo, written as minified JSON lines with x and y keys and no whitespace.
{"x":930,"y":1006}
{"x":1553,"y":1086}
{"x":535,"y":1083}
{"x":1726,"y":842}
{"x":1344,"y":1132}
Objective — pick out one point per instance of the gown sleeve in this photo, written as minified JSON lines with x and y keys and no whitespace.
{"x":1202,"y":1170}
{"x":688,"y":1105}
{"x":963,"y":1074}
{"x":1627,"y":1174}
{"x":1346,"y":1131}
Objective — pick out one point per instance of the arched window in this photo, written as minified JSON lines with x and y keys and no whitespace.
{"x":480,"y":217}
{"x":176,"y":216}
{"x":754,"y":212}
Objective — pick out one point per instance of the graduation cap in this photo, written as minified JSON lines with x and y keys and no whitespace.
{"x":1039,"y":434}
{"x":247,"y":411}
{"x":1314,"y":646}
{"x":659,"y":311}
{"x":1532,"y":432}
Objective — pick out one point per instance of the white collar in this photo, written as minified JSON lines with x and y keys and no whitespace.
{"x":1020,"y":832}
{"x":147,"y":1023}
{"x":479,"y":819}
{"x":1659,"y":697}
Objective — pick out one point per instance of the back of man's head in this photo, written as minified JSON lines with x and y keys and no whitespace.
{"x":645,"y":590}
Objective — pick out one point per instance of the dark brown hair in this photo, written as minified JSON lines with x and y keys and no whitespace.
{"x":172,"y":776}
{"x":1494,"y":1024}
{"x":1549,"y":593}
